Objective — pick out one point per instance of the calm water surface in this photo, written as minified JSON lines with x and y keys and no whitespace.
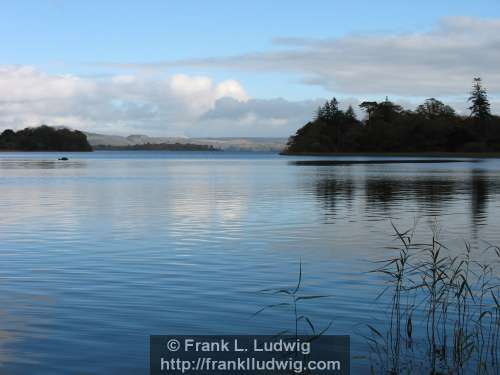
{"x":101,"y":251}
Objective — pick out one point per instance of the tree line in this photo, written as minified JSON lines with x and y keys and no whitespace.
{"x":387,"y":127}
{"x":44,"y":138}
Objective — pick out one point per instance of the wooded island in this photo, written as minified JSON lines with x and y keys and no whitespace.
{"x":433,"y":127}
{"x":44,"y":138}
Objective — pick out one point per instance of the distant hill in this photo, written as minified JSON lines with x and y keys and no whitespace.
{"x":229,"y":144}
{"x":44,"y":138}
{"x":159,"y":147}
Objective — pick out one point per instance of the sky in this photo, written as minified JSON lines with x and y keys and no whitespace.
{"x":235,"y":68}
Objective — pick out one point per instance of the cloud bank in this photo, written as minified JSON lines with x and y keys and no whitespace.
{"x":440,"y":62}
{"x":122,"y":104}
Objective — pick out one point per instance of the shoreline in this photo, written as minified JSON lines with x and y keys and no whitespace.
{"x":46,"y":151}
{"x":407,"y":154}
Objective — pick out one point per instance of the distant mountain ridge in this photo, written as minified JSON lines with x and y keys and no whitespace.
{"x":256,"y":144}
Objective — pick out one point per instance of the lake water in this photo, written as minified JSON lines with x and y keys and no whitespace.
{"x":101,"y":251}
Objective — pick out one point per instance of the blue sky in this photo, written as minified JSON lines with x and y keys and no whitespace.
{"x":232,"y":40}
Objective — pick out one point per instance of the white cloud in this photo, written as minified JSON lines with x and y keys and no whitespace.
{"x":131,"y":104}
{"x":122,"y":103}
{"x":26,"y":84}
{"x":231,"y":89}
{"x":125,"y":104}
{"x":199,"y":93}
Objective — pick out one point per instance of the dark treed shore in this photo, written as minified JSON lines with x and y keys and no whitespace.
{"x":44,"y":138}
{"x":433,"y":128}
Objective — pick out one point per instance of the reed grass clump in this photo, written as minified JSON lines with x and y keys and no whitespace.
{"x":451,"y":300}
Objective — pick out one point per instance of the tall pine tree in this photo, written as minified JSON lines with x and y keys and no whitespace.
{"x":480,"y":105}
{"x":350,"y":115}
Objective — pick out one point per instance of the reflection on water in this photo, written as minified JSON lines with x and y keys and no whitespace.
{"x":333,"y":191}
{"x":338,"y":162}
{"x":429,"y":195}
{"x":102,"y":250}
{"x":482,"y":190}
{"x":39,"y":164}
